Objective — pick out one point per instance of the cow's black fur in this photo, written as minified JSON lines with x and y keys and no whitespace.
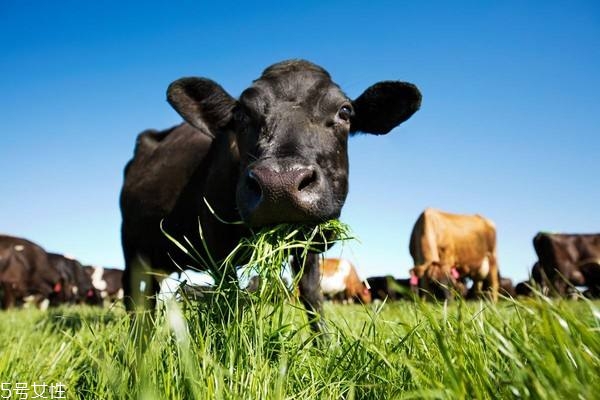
{"x":567,"y":260}
{"x":25,"y":271}
{"x":75,"y":284}
{"x":277,"y":154}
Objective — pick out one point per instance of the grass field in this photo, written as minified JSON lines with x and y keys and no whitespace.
{"x":537,"y":349}
{"x":236,"y":345}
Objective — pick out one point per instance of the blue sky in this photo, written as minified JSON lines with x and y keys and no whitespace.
{"x":509,"y":126}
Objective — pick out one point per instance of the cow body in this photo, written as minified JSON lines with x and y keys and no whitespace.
{"x":567,"y":260}
{"x":25,"y":272}
{"x":447,"y":248}
{"x":340,"y":281}
{"x":277,"y":154}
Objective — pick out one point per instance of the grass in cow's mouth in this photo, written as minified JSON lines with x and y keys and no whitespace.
{"x":268,"y":249}
{"x":266,"y":253}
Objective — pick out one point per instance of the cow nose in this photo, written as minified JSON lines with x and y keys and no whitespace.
{"x":285,"y":194}
{"x":268,"y":182}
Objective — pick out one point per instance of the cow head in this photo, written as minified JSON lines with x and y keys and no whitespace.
{"x":437,"y":279}
{"x":364,"y":294}
{"x":291,"y":130}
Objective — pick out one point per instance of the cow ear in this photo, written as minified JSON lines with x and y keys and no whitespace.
{"x":201,"y":102}
{"x":384,"y":106}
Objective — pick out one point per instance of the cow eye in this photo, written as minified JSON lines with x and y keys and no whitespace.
{"x":345,"y":113}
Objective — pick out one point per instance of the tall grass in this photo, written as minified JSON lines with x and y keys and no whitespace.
{"x":234,"y":345}
{"x":537,"y":349}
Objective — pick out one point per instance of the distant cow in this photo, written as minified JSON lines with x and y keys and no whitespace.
{"x":107,"y":281}
{"x":568,"y":259}
{"x":25,"y":273}
{"x":387,"y":287}
{"x":74,"y":286}
{"x":535,"y":282}
{"x":507,"y":288}
{"x":255,"y":283}
{"x":524,"y":288}
{"x":447,"y":248}
{"x":340,"y":281}
{"x":278,"y":154}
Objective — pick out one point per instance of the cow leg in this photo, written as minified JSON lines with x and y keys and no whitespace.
{"x":140,"y":285}
{"x":310,"y":292}
{"x":132,"y":285}
{"x":494,"y":279}
{"x":8,"y":297}
{"x":423,"y":288}
{"x":477,"y":288}
{"x":560,"y":285}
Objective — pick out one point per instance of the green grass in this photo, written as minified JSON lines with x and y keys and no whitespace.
{"x":534,"y":349}
{"x":233,"y":345}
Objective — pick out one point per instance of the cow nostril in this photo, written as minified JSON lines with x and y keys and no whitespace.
{"x":253,"y":186}
{"x":307,"y":179}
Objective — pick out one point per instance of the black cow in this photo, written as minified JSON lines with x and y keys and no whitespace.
{"x":535,"y":282}
{"x":567,"y":260}
{"x":387,"y":287}
{"x":75,"y":285}
{"x":278,"y":154}
{"x":507,"y":288}
{"x":25,"y":272}
{"x":524,"y":288}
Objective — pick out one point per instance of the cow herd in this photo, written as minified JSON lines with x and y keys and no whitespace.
{"x":30,"y":275}
{"x":451,"y":251}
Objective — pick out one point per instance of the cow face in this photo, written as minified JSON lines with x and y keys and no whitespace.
{"x":437,"y":280}
{"x":291,"y":130}
{"x":364,"y":294}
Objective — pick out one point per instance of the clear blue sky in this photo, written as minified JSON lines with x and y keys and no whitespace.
{"x":509,"y":126}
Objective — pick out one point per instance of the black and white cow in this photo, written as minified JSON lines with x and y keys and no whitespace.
{"x":107,"y":281}
{"x":75,"y":286}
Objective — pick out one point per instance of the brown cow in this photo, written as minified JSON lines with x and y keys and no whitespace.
{"x":447,"y":248}
{"x":339,"y":281}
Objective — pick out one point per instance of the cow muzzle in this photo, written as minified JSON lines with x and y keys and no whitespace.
{"x":271,"y":193}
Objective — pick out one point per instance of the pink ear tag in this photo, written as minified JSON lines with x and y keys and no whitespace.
{"x":454,"y":273}
{"x":414,"y":281}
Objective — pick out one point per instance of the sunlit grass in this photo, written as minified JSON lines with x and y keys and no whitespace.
{"x":530,"y":349}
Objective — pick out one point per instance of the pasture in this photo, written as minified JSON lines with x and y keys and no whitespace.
{"x":538,"y":348}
